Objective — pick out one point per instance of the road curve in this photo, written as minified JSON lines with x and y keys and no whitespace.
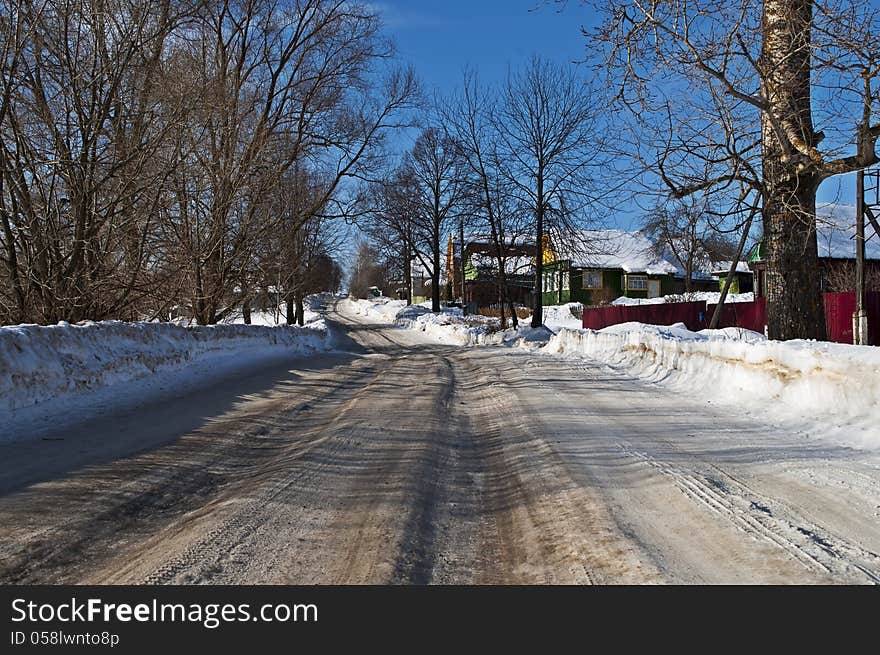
{"x":401,"y":460}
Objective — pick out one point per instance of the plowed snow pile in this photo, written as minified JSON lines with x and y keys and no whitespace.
{"x":44,"y":368}
{"x":832,"y":388}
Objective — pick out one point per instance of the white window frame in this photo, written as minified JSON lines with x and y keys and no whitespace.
{"x":629,"y":279}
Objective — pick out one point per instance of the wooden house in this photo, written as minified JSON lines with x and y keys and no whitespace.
{"x":596,"y":266}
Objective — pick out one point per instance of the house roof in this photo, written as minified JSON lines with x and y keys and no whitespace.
{"x":514,"y":264}
{"x":632,"y":252}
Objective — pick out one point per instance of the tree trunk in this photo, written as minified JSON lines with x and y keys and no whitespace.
{"x":501,"y":302}
{"x":731,"y":273}
{"x":538,"y":312}
{"x":246,"y":311}
{"x":407,"y":272}
{"x":199,"y":308}
{"x":300,"y":311}
{"x":794,"y":295}
{"x":12,"y":267}
{"x":435,"y":276}
{"x":795,"y":308}
{"x":464,"y":307}
{"x":689,"y":272}
{"x":290,"y":314}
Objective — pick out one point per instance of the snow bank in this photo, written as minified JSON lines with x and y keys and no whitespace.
{"x":809,"y":383}
{"x":451,"y":326}
{"x":58,"y":362}
{"x":448,"y":326}
{"x":711,"y":297}
{"x":562,"y":316}
{"x":381,"y":309}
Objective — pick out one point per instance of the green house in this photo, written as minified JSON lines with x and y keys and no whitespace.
{"x":596,"y":266}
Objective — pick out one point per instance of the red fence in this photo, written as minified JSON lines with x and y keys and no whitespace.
{"x":692,"y":314}
{"x":839,"y":308}
{"x":748,"y":315}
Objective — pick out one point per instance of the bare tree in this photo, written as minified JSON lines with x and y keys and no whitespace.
{"x":367,"y":271}
{"x":434,"y":171}
{"x":725,"y":95}
{"x":142,"y":143}
{"x":286,"y":82}
{"x":389,"y":220}
{"x":546,"y":124}
{"x":683,"y":229}
{"x":841,"y":276}
{"x":81,"y":129}
{"x":491,"y":199}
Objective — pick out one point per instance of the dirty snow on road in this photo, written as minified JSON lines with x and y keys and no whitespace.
{"x":821,"y":390}
{"x":400,"y":458}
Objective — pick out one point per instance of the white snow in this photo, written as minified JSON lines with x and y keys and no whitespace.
{"x":273,"y":316}
{"x":557,"y":317}
{"x":383,"y":308}
{"x":711,"y":297}
{"x":449,"y":326}
{"x":611,"y":249}
{"x":56,"y":370}
{"x":513,"y":264}
{"x":820,"y":389}
{"x":723,"y":267}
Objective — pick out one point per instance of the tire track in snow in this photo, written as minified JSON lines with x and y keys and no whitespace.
{"x":219,"y":540}
{"x":768,"y":519}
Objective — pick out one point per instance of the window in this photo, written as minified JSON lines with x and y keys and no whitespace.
{"x":565,"y":281}
{"x":636,"y":282}
{"x":592,"y":280}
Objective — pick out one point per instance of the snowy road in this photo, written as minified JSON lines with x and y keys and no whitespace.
{"x":401,"y":460}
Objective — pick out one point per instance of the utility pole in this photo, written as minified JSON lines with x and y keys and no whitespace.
{"x":860,"y":317}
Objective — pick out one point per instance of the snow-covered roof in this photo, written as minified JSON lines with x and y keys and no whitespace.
{"x":836,"y":229}
{"x":632,"y":252}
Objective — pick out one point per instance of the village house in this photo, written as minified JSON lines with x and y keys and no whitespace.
{"x":596,"y":266}
{"x":481,"y":272}
{"x":592,"y":267}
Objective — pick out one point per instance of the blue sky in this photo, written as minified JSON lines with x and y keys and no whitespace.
{"x":441,"y":39}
